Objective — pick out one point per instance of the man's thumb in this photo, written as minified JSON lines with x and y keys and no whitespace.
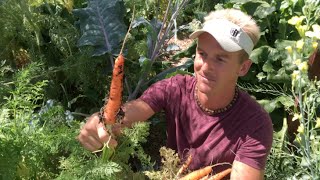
{"x":105,"y":137}
{"x":102,"y":133}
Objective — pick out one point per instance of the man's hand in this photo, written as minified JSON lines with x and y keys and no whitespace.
{"x":93,"y":134}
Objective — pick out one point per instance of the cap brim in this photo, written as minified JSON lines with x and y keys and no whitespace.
{"x":226,"y":43}
{"x":230,"y":36}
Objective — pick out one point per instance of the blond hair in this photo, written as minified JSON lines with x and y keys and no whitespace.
{"x":246,"y":22}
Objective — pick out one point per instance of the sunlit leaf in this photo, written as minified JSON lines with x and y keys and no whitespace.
{"x":261,"y":76}
{"x":260,"y":54}
{"x":269,"y":105}
{"x":267,"y":67}
{"x":287,"y":101}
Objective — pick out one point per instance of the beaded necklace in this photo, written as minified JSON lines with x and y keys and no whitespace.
{"x":216,"y":111}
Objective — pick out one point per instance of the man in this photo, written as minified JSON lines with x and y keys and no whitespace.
{"x":207,"y":114}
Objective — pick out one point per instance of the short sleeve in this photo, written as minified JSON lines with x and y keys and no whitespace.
{"x":256,"y":148}
{"x":156,"y":95}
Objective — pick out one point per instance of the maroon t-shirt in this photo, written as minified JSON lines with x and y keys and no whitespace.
{"x":242,"y":133}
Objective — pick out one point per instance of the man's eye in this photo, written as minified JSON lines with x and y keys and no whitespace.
{"x":220,"y":59}
{"x":201,"y":54}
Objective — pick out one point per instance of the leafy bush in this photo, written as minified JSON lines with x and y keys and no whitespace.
{"x":38,"y":141}
{"x":81,"y":164}
{"x":32,"y":135}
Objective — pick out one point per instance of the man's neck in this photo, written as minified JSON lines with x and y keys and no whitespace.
{"x":216,"y":100}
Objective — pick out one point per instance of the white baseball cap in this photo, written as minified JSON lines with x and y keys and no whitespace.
{"x":229,"y":35}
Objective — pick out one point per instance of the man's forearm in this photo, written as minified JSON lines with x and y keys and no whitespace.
{"x":136,"y":110}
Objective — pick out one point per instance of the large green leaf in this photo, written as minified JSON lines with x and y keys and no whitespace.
{"x":286,"y":101}
{"x":261,"y":54}
{"x":269,"y":105}
{"x":102,"y":26}
{"x":260,"y":9}
{"x":279,"y":76}
{"x":268,"y":67}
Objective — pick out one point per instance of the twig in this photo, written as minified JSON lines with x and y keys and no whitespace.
{"x":121,"y":50}
{"x":80,"y":114}
{"x":126,"y":37}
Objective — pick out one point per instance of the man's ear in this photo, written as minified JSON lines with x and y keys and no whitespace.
{"x":245,"y":66}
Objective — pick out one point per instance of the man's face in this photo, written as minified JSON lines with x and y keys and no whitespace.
{"x":216,"y":69}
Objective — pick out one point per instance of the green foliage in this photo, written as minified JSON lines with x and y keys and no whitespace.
{"x":41,"y":31}
{"x":34,"y":143}
{"x":29,"y":27}
{"x":85,"y":83}
{"x":31,"y":139}
{"x":68,"y":4}
{"x":84,"y":165}
{"x":102,"y":26}
{"x":158,"y":33}
{"x":4,"y":77}
{"x":46,"y":147}
{"x":25,"y":95}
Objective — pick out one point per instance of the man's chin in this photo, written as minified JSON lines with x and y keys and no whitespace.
{"x":204,"y":88}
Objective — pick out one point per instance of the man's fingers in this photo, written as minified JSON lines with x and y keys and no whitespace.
{"x":89,"y":147}
{"x":95,"y":142}
{"x":88,"y":141}
{"x":93,"y":135}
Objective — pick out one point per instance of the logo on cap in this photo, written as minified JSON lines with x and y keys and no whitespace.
{"x":234,"y":32}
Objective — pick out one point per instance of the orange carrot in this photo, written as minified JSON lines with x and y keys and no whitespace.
{"x":198,"y":174}
{"x":184,"y":166}
{"x":220,"y":175}
{"x":205,"y":177}
{"x":113,"y":105}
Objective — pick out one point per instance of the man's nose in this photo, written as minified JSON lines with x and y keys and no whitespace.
{"x":206,"y":65}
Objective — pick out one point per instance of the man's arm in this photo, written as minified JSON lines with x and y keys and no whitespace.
{"x":241,"y":171}
{"x":93,"y":134}
{"x":135,"y":111}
